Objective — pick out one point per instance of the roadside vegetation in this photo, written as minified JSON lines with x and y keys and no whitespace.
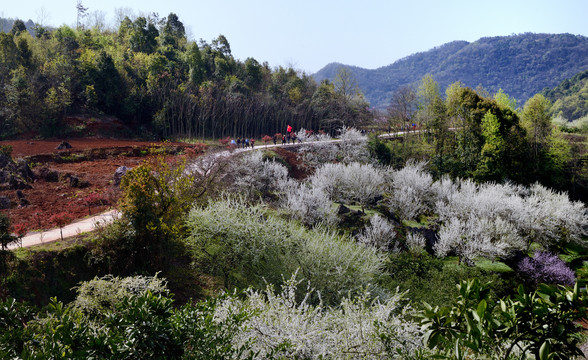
{"x":463,"y":237}
{"x":373,"y":258}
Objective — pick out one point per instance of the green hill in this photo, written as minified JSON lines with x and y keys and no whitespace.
{"x":570,"y":97}
{"x":522,"y":65}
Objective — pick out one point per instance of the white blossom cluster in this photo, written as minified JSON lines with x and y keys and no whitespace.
{"x":519,"y":215}
{"x":475,"y":237}
{"x":254,"y":175}
{"x":307,"y":203}
{"x":97,"y":295}
{"x":493,"y":219}
{"x":379,"y":234}
{"x":313,"y":155}
{"x":353,"y":146}
{"x":415,"y":242}
{"x":411,"y":191}
{"x":282,"y":326}
{"x":352,"y":183}
{"x":486,"y":219}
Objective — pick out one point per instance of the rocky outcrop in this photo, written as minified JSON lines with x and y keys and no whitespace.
{"x":118,"y":174}
{"x":63,"y":146}
{"x":14,"y":175}
{"x":47,"y":174}
{"x":4,"y":202}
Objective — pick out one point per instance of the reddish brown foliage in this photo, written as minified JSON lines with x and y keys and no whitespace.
{"x":225,"y":141}
{"x":266,"y":139}
{"x":20,"y":230}
{"x":61,"y":219}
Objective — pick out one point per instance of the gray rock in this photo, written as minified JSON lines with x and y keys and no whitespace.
{"x":23,"y":202}
{"x":343,"y":210}
{"x":24,"y":170}
{"x":48,"y":175}
{"x":64,"y":145}
{"x":4,"y":160}
{"x":15,"y":182}
{"x":118,"y":174}
{"x":4,"y":176}
{"x":74,"y":181}
{"x":4,"y":202}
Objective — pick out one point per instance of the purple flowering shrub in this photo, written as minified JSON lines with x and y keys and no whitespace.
{"x":547,"y":268}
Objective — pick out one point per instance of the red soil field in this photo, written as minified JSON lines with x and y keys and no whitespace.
{"x":49,"y":198}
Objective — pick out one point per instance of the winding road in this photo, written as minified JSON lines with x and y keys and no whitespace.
{"x":91,"y":223}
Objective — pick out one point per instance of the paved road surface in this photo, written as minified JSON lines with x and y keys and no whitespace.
{"x":73,"y":229}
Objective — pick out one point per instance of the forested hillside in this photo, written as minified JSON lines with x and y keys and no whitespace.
{"x":522,"y":65}
{"x":570,"y":97}
{"x":148,"y":74}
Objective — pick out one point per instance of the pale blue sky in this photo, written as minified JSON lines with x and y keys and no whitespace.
{"x":308,"y":34}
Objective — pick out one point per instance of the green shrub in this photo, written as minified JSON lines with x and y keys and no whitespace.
{"x":428,"y":279}
{"x":6,"y":150}
{"x":378,"y":150}
{"x":136,"y":324}
{"x":155,"y":198}
{"x":247,"y":245}
{"x":541,"y":324}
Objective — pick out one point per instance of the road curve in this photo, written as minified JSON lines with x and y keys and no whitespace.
{"x":90,"y":223}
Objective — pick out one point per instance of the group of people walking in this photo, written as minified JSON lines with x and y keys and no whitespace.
{"x":286,"y":139}
{"x":243,"y":143}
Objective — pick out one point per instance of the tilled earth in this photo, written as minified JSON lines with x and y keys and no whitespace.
{"x":92,"y":161}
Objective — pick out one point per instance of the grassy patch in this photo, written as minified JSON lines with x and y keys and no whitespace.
{"x":413,"y":224}
{"x":22,"y":253}
{"x":435,"y":281}
{"x":493,"y":266}
{"x":368,"y":212}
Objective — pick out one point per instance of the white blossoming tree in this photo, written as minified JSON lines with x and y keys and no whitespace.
{"x":311,"y":205}
{"x":379,"y":234}
{"x":360,"y":328}
{"x":254,"y":175}
{"x":411,"y":191}
{"x":352,"y":183}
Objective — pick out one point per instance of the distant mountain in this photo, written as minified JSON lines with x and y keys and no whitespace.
{"x":6,"y":25}
{"x":522,"y":65}
{"x":570,"y":97}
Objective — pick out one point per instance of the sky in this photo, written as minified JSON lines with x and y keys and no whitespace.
{"x":309,"y":34}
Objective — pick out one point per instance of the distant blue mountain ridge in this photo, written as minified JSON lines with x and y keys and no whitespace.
{"x":522,"y":65}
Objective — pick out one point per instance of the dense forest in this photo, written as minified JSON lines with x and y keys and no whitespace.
{"x":146,"y":73}
{"x":570,"y":97}
{"x":522,"y":65}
